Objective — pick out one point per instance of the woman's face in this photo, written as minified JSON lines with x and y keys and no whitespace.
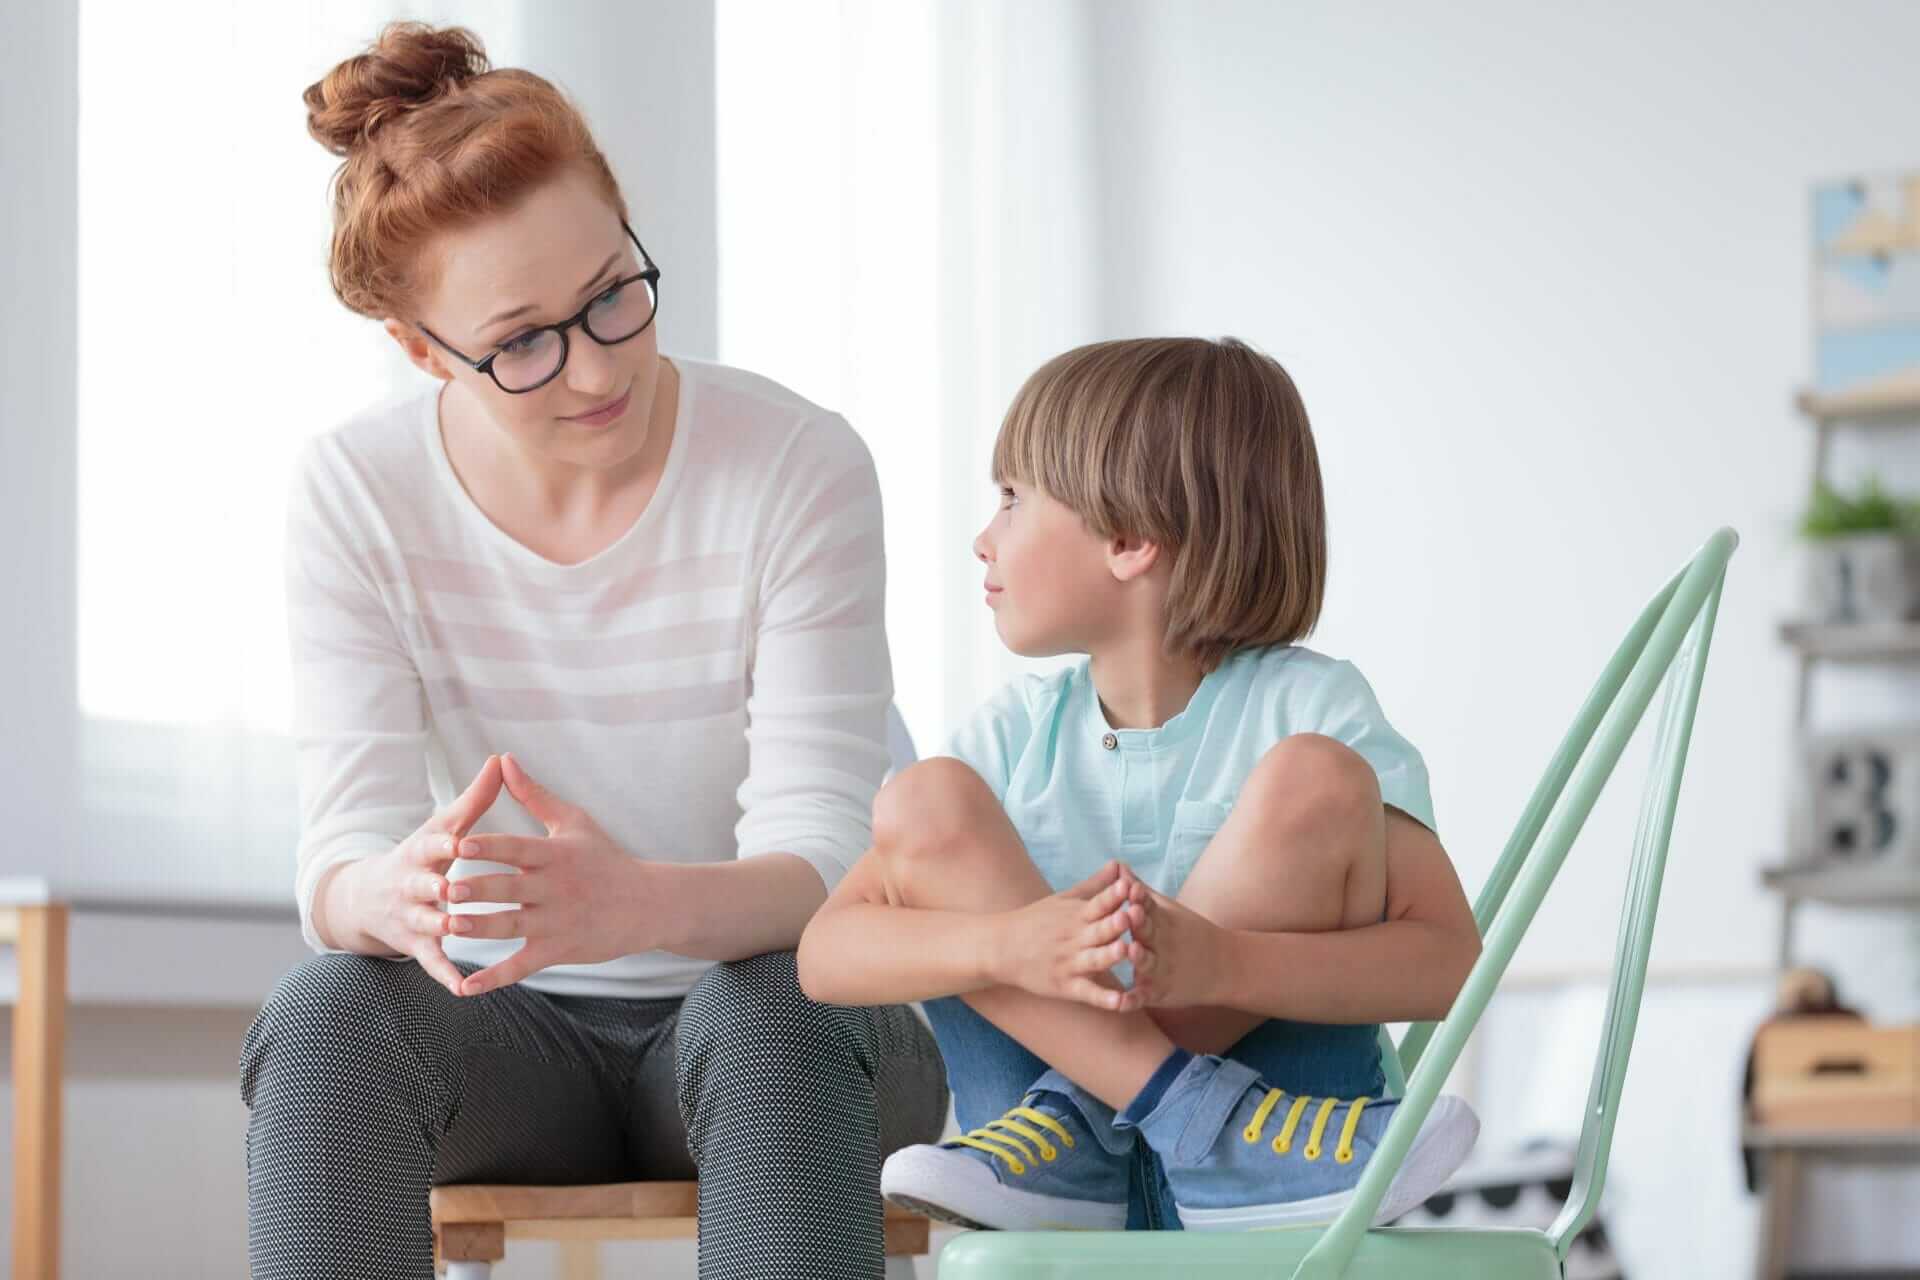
{"x":539,"y":265}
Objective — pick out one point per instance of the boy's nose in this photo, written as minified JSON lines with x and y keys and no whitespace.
{"x":980,"y":549}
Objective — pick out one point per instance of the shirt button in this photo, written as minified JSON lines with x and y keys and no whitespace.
{"x":1110,"y":742}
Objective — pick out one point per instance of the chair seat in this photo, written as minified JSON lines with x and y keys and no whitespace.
{"x":1388,"y":1253}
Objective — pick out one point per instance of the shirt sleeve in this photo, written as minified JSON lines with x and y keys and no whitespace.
{"x":1343,"y":707}
{"x":359,"y":720}
{"x":820,"y":678}
{"x":992,"y":738}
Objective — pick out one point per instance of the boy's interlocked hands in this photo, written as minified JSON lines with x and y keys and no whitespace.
{"x":1063,"y":945}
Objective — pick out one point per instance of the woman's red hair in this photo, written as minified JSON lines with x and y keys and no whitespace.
{"x":434,"y":139}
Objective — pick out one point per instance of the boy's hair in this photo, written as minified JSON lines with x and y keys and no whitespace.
{"x":1202,"y":447}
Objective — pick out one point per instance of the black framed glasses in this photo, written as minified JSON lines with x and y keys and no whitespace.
{"x":528,"y":361}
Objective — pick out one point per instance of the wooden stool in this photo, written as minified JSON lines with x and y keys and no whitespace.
{"x":472,"y":1224}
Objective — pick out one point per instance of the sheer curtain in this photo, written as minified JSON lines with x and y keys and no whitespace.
{"x":210,"y":347}
{"x":907,"y":231}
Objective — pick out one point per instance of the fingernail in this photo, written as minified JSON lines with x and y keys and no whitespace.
{"x":460,"y":924}
{"x":459,"y":893}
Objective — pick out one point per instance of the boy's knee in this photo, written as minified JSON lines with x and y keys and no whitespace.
{"x":1314,"y":784}
{"x":926,"y":811}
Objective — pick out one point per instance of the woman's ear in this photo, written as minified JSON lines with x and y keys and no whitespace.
{"x":1129,"y":557}
{"x":418,"y":350}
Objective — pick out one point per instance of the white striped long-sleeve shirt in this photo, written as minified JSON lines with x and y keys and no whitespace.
{"x":713,"y":685}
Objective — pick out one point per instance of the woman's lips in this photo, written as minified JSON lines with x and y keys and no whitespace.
{"x":602,"y":416}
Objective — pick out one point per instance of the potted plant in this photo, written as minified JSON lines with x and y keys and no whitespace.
{"x":1864,"y":555}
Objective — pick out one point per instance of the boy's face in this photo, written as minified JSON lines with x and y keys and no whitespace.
{"x":1048,"y":579}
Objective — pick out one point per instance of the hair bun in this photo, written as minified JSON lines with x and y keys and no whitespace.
{"x":410,"y":65}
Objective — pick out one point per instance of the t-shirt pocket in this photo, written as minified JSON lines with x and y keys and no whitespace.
{"x":1195,"y":823}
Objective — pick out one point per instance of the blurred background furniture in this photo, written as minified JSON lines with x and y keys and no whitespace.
{"x":36,"y":929}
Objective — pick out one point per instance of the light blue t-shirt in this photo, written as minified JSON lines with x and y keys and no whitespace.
{"x":1080,"y":791}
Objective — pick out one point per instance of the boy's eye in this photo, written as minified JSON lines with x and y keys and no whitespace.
{"x":1007,"y":496}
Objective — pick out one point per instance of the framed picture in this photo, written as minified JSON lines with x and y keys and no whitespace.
{"x":1866,"y":302}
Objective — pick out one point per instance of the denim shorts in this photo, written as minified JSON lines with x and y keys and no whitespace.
{"x":989,"y":1072}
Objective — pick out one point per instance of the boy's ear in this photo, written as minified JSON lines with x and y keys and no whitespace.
{"x":1130,"y":558}
{"x":423,"y":355}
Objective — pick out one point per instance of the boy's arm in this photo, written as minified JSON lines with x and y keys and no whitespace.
{"x":1407,"y":969}
{"x":859,"y":949}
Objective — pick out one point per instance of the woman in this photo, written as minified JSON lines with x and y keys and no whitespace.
{"x":633,"y":606}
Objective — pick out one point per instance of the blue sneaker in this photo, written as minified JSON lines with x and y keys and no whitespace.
{"x":1239,"y":1154}
{"x":1054,"y":1163}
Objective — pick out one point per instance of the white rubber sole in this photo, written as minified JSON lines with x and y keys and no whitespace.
{"x":955,"y":1189}
{"x":1441,"y":1146}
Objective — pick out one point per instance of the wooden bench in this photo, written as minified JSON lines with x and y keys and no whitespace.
{"x":472,"y":1224}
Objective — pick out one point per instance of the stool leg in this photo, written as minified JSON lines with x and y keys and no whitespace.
{"x":900,"y":1267}
{"x":469,"y":1270}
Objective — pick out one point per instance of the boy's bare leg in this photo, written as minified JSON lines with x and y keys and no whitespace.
{"x":946,"y":845}
{"x":1304,"y":850}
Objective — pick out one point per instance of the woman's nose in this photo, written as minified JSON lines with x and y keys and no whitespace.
{"x":981,"y":551}
{"x":591,"y":367}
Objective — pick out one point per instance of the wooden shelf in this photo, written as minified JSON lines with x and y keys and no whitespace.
{"x":1853,"y":641}
{"x":1768,"y":1138}
{"x":1847,"y":886}
{"x":1891,"y":405}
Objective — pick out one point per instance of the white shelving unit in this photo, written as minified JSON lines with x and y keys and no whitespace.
{"x":1786,"y":1151}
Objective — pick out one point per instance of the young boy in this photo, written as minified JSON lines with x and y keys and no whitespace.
{"x":1202,"y":801}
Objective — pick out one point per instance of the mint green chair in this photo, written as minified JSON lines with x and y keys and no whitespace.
{"x":1669,"y":642}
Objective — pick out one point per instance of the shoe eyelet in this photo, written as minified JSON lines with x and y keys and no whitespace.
{"x":1311,"y":1153}
{"x":1344,"y":1156}
{"x":1048,"y":1155}
{"x":1068,"y":1143}
{"x":1281,"y":1148}
{"x":1249,"y":1136}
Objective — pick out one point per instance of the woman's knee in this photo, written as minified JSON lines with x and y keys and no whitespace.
{"x":923,"y":818}
{"x":753,"y":1001}
{"x":335,"y":1013}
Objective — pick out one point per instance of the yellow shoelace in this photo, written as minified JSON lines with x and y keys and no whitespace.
{"x":1008,"y":1138}
{"x":1342,"y":1153}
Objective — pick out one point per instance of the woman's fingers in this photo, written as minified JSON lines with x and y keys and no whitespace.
{"x":458,"y":818}
{"x":524,"y":852}
{"x":523,"y":963}
{"x":507,"y":887}
{"x":430,"y":849}
{"x":427,"y":951}
{"x":428,"y":921}
{"x":533,"y":796}
{"x":493,"y":924}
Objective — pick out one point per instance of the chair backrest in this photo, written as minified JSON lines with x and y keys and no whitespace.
{"x":1668,"y":643}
